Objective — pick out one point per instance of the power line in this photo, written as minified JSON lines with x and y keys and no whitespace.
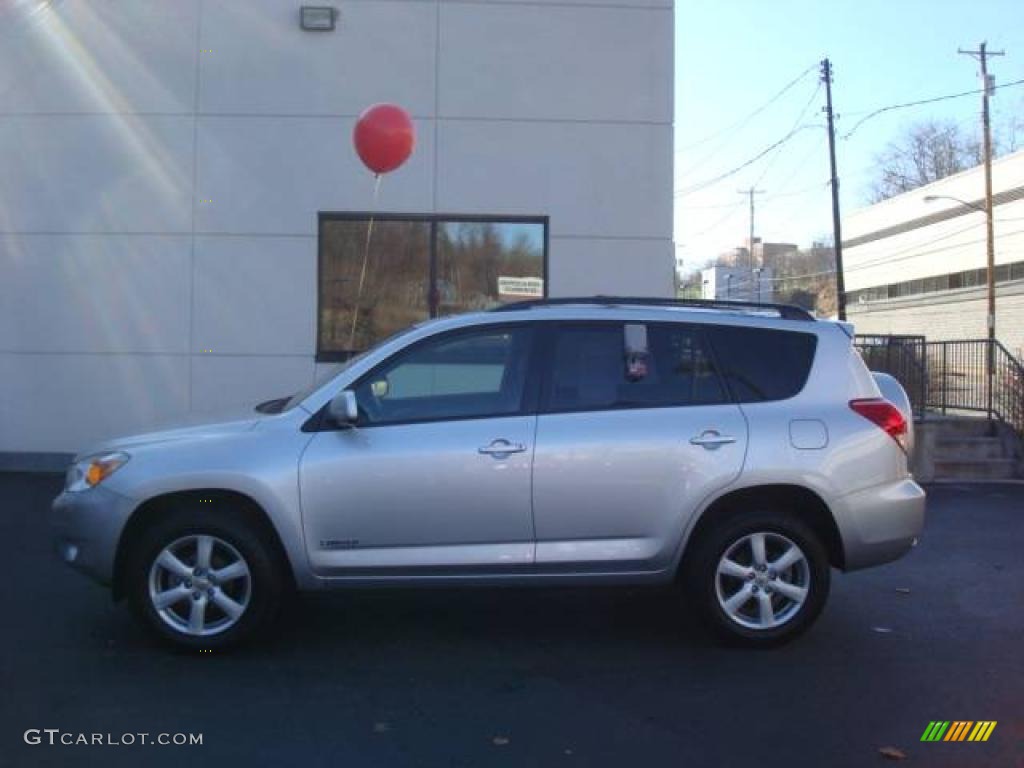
{"x":718,"y":222}
{"x":799,"y":120}
{"x":722,"y":177}
{"x":744,"y":120}
{"x":921,"y":102}
{"x":764,"y":200}
{"x":720,"y":146}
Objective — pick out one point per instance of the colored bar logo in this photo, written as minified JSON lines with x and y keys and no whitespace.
{"x":958,"y":730}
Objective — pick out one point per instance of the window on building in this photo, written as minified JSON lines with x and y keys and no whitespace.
{"x":971,"y":278}
{"x":381,"y":273}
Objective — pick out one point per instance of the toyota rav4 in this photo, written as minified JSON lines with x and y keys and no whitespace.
{"x":739,"y":451}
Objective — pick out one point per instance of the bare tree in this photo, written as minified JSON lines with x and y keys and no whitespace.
{"x":1014,"y":133}
{"x":928,"y":151}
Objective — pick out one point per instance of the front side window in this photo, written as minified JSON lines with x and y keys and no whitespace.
{"x":383,"y":272}
{"x":644,"y":365}
{"x":469,"y":375}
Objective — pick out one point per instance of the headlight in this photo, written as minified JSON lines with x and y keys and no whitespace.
{"x":93,"y":470}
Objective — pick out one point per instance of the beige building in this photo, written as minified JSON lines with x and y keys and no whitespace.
{"x":916,"y":263}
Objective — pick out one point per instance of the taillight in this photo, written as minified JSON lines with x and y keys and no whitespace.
{"x":885,"y":416}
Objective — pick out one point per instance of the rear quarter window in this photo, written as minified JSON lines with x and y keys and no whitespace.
{"x":762,"y":364}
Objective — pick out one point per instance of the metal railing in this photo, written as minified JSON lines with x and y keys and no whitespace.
{"x":959,"y":380}
{"x":905,"y":358}
{"x":952,"y":375}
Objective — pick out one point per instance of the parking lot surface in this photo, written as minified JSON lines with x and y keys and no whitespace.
{"x":617,"y":677}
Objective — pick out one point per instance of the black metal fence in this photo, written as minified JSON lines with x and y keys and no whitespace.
{"x":964,"y":375}
{"x":904,"y":357}
{"x":976,"y":375}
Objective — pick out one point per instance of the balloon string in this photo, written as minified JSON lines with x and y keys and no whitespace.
{"x":362,"y":272}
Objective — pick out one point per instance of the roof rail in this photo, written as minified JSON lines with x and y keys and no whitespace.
{"x":786,"y":311}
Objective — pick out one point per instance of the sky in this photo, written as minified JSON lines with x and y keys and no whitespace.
{"x":734,"y":56}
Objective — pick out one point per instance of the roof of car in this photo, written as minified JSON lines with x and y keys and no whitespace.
{"x":745,"y":308}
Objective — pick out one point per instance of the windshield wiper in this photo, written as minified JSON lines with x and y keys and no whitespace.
{"x":273,"y":406}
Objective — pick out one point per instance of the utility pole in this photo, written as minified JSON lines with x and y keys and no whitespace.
{"x":750,"y":193}
{"x":837,"y":234}
{"x":982,"y":55}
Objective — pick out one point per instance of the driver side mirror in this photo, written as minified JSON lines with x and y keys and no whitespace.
{"x":343,"y":409}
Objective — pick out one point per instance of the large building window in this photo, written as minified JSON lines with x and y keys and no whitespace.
{"x":971,"y":278}
{"x":380,"y":273}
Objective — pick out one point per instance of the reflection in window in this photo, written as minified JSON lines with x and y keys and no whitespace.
{"x":479,"y":373}
{"x":412,"y":268}
{"x":482,"y":264}
{"x":589,"y":369}
{"x":395,"y":283}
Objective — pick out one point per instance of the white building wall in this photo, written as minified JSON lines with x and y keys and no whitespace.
{"x":953,"y":245}
{"x":959,"y":315}
{"x":164,"y":163}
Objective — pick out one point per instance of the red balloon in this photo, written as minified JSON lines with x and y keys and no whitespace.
{"x":384,"y":137}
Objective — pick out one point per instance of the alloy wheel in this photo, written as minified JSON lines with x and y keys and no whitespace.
{"x":762,"y":580}
{"x":200,"y":585}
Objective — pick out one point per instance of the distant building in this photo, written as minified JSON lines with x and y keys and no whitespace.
{"x":916,"y":263}
{"x":765,"y":254}
{"x":734,"y":257}
{"x":737,"y":283}
{"x":769,"y":255}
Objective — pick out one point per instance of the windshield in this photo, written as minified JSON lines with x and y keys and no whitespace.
{"x":332,"y":371}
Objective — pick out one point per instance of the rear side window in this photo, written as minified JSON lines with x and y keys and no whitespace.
{"x":600,"y":367}
{"x":760,"y":364}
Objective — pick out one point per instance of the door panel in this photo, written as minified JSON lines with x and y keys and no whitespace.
{"x":635,"y":431}
{"x":613,"y":490}
{"x":436,"y":474}
{"x":415,"y":496}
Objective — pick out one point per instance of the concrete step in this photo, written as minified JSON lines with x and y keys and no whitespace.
{"x":992,"y":469}
{"x":959,"y":448}
{"x":962,"y":426}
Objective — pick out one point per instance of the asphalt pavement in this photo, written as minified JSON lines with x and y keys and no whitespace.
{"x":611,"y":677}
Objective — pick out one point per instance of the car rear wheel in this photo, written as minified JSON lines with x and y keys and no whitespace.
{"x":204,"y":580}
{"x":759,"y":579}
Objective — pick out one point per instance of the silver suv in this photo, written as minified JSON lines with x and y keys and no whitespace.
{"x":741,"y":451}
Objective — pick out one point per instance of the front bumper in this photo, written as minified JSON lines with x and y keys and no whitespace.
{"x":882,"y":523}
{"x":86,"y":528}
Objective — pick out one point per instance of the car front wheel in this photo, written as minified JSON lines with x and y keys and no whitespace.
{"x":204,"y":581}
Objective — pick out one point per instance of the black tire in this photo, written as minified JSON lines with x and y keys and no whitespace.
{"x":702,"y":582}
{"x":266,"y":579}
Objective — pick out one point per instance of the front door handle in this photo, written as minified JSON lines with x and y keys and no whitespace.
{"x":711,"y":440}
{"x":501,"y":447}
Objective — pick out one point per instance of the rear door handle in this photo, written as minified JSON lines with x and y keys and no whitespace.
{"x":501,"y":447}
{"x":710,"y":439}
